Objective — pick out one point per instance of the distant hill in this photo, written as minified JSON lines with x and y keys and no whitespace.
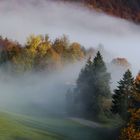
{"x":127,"y":9}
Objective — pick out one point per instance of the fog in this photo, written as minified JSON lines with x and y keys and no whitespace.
{"x":21,"y":18}
{"x":36,"y":92}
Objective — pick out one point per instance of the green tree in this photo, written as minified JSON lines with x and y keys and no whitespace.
{"x":100,"y":77}
{"x":123,"y":95}
{"x":83,"y":95}
{"x":92,"y":87}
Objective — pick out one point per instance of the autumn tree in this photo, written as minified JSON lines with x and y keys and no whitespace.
{"x":39,"y":54}
{"x":8,"y":50}
{"x":132,"y":129}
{"x":76,"y":52}
{"x":40,"y":60}
{"x":60,"y":44}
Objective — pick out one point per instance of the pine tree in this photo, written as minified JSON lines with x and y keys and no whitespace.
{"x":100,"y":77}
{"x":100,"y":84}
{"x":92,"y":86}
{"x":123,"y":94}
{"x":83,"y":90}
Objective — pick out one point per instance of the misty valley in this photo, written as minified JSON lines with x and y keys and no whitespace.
{"x":69,"y":70}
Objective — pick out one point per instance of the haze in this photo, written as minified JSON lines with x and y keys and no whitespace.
{"x":21,"y":18}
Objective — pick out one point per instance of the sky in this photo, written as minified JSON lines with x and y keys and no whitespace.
{"x":19,"y":19}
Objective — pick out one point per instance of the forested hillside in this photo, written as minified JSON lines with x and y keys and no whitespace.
{"x":127,"y":9}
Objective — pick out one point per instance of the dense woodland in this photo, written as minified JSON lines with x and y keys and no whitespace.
{"x":128,"y":9}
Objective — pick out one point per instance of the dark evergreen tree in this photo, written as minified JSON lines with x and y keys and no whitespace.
{"x":100,"y":84}
{"x":92,"y":86}
{"x":100,"y":77}
{"x":123,"y":95}
{"x":83,"y":89}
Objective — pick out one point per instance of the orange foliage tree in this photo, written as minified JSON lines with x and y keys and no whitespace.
{"x":132,"y":130}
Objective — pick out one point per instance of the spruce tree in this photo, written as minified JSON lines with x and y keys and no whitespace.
{"x":92,"y":86}
{"x":100,"y":77}
{"x":100,"y":83}
{"x":123,"y":95}
{"x":83,"y":89}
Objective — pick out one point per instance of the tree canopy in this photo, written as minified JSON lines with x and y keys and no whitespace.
{"x":39,"y":53}
{"x":122,"y":95}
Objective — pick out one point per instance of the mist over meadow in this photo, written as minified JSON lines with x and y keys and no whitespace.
{"x":34,"y":91}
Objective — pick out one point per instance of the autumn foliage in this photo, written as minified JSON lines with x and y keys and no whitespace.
{"x":39,"y":53}
{"x":132,"y":130}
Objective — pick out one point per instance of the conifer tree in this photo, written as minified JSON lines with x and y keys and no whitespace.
{"x":83,"y":89}
{"x":92,"y":86}
{"x":122,"y":95}
{"x":100,"y":77}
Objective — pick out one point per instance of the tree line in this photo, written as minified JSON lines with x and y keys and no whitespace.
{"x":39,"y":53}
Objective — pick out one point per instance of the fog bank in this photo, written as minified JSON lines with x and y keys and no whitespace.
{"x":38,"y":92}
{"x":21,"y":18}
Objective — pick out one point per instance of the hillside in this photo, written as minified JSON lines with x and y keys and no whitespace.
{"x":127,"y":9}
{"x":18,"y":127}
{"x":13,"y":128}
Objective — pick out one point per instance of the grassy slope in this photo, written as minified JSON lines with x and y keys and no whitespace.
{"x":15,"y":127}
{"x":12,"y":129}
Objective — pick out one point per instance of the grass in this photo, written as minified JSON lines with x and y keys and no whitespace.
{"x":19,"y":127}
{"x":12,"y":129}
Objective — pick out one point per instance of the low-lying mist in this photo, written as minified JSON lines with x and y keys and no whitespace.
{"x":36,"y":92}
{"x":21,"y":18}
